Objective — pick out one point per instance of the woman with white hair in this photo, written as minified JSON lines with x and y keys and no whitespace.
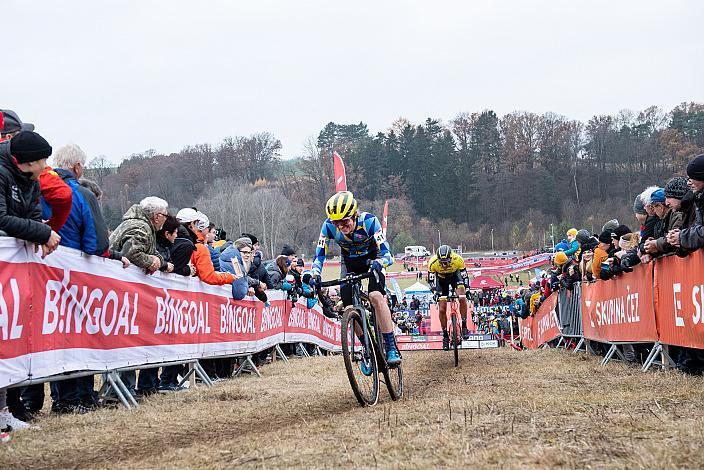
{"x":135,"y":237}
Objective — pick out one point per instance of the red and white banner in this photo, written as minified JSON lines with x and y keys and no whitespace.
{"x":542,"y":327}
{"x":72,"y":312}
{"x":679,"y":300}
{"x":338,"y":167}
{"x":620,"y":309}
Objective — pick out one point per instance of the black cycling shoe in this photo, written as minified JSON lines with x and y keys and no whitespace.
{"x":446,"y":343}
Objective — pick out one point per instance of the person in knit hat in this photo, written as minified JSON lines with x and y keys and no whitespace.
{"x":692,"y":237}
{"x":668,"y":220}
{"x":601,"y":253}
{"x":680,"y":198}
{"x":20,"y":217}
{"x":572,"y":250}
{"x":56,"y":196}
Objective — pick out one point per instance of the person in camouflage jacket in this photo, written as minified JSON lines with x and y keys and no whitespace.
{"x":135,"y":237}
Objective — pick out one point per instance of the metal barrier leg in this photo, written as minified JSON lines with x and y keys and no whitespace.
{"x":620,"y":355}
{"x":651,"y":357}
{"x":202,"y":374}
{"x":118,"y":391}
{"x":280,"y":353}
{"x":189,"y":374}
{"x":317,"y":351}
{"x":559,"y":343}
{"x":125,"y":390}
{"x":609,"y":355}
{"x":301,"y":347}
{"x":579,"y":345}
{"x":247,"y":366}
{"x":666,"y":358}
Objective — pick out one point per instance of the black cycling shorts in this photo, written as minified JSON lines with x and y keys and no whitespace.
{"x":442,"y":284}
{"x":359,"y":266}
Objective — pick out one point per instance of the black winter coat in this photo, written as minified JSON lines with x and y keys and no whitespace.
{"x":20,"y":212}
{"x":181,"y":251}
{"x":258,"y":271}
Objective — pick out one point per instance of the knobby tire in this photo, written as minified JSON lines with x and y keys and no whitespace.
{"x":455,"y":339}
{"x":365,"y":388}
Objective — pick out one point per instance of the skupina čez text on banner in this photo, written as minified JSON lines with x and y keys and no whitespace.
{"x":75,"y":312}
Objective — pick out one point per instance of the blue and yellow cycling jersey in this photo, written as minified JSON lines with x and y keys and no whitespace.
{"x":366,"y":239}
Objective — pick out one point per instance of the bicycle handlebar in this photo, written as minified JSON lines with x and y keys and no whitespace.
{"x":350,"y":278}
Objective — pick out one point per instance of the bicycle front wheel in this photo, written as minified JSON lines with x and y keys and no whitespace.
{"x":360,"y":362}
{"x":456,"y":339}
{"x":394,"y":381}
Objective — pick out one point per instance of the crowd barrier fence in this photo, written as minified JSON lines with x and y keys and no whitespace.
{"x":660,"y":303}
{"x":71,"y":313}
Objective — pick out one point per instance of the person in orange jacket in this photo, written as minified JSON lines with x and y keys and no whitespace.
{"x":201,"y":260}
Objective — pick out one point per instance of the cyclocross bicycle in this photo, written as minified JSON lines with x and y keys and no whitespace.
{"x":455,"y":332}
{"x":363,"y":346}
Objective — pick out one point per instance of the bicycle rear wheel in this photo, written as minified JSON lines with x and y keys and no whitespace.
{"x":455,"y":339}
{"x":359,"y":360}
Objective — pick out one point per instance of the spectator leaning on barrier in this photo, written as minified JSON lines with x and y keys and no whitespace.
{"x":640,"y":213}
{"x":278,"y":271}
{"x":20,"y":217}
{"x":668,"y":220}
{"x":692,"y":238}
{"x":135,"y":237}
{"x":680,"y":198}
{"x":201,"y":256}
{"x":54,"y":192}
{"x":651,"y":220}
{"x":165,"y":239}
{"x":257,"y":269}
{"x":601,"y":253}
{"x":84,"y":230}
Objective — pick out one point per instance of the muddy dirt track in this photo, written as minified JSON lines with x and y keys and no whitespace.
{"x":500,"y":408}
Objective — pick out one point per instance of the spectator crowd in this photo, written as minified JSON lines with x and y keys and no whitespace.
{"x":57,"y":206}
{"x":669,"y":221}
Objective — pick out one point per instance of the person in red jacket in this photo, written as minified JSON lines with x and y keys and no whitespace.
{"x":57,"y":195}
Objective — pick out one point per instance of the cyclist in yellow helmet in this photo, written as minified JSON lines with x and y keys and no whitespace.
{"x":444,"y":268}
{"x":364,"y":247}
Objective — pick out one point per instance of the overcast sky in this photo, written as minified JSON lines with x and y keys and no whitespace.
{"x":119,"y":77}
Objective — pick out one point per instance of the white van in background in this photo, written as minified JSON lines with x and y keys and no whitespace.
{"x":416,"y":250}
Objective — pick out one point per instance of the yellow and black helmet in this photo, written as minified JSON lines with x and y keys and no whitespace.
{"x":341,"y":205}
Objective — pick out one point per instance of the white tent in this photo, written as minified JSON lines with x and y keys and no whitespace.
{"x":417,"y":289}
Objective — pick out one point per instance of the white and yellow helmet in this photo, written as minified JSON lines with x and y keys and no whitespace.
{"x":341,"y":205}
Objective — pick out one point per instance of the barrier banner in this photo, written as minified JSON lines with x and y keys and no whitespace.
{"x":73,"y":312}
{"x":545,"y":321}
{"x":309,"y":325}
{"x":525,"y":326}
{"x":620,"y":309}
{"x":15,"y":298}
{"x":570,"y":311}
{"x":679,"y":300}
{"x":542,"y":327}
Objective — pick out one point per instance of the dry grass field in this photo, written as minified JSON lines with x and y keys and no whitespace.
{"x":500,"y":408}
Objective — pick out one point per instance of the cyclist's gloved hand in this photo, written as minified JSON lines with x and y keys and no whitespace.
{"x":375,"y":265}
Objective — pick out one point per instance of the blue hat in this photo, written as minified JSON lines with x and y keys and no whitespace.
{"x":658,"y":196}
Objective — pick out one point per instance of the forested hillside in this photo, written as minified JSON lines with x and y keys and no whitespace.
{"x":516,"y":174}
